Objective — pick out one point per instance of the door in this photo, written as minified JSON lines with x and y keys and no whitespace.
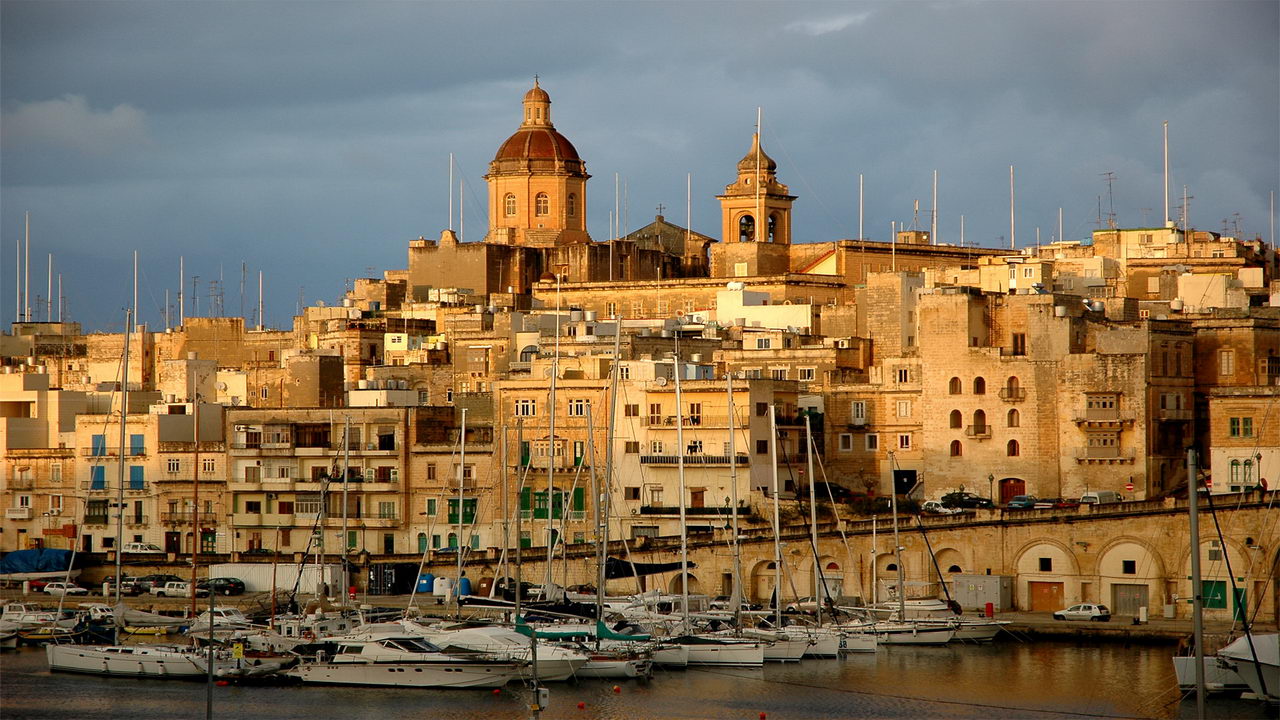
{"x":173,"y":542}
{"x":1126,"y":599}
{"x":1045,"y":596}
{"x":697,"y":498}
{"x":1010,"y":487}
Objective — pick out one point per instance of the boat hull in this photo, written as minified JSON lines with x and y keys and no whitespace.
{"x":408,"y":675}
{"x":732,"y":654}
{"x":125,"y":661}
{"x":914,"y":636}
{"x":1217,"y":679}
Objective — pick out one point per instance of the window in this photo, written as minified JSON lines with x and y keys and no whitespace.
{"x":631,"y":410}
{"x":763,"y":343}
{"x":655,"y":447}
{"x":172,"y":465}
{"x":954,"y":387}
{"x":762,"y":447}
{"x":695,"y":413}
{"x":1012,"y":449}
{"x":858,"y":410}
{"x":542,"y":205}
{"x":979,"y":386}
{"x":846,"y":442}
{"x":137,"y":478}
{"x":1226,"y":362}
{"x":904,"y":441}
{"x":98,"y":477}
{"x":778,"y":374}
{"x":136,"y":445}
{"x":1046,"y":564}
{"x":904,"y":408}
{"x":956,"y":420}
{"x":431,"y":471}
{"x":578,"y":407}
{"x":265,"y":392}
{"x":956,"y":448}
{"x":655,"y":496}
{"x":99,"y":445}
{"x":1014,"y":418}
{"x":762,"y":409}
{"x":431,"y":507}
{"x":746,"y":229}
{"x":611,"y":309}
{"x":207,"y":465}
{"x":904,"y":375}
{"x":631,"y":492}
{"x":632,"y":447}
{"x":1129,"y":567}
{"x":694,"y":447}
{"x":571,"y":204}
{"x":980,"y":421}
{"x":253,"y":506}
{"x":873,"y":442}
{"x":1241,"y":427}
{"x":807,"y":374}
{"x":526,"y":408}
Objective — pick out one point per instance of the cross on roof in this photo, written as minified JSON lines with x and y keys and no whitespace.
{"x":661,"y":207}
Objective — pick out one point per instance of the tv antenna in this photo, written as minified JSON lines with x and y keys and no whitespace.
{"x":1111,"y":201}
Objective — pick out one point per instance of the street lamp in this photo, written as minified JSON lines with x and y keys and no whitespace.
{"x":991,"y":479}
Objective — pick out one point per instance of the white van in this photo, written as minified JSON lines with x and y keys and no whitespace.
{"x":142,"y":547}
{"x":1098,"y":497}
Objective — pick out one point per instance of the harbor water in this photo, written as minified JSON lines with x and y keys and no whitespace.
{"x":1043,"y":679}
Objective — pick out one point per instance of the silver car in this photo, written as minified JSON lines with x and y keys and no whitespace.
{"x":1084,"y":611}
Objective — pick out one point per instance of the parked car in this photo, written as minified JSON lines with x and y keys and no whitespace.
{"x":64,"y":588}
{"x":966,"y":500}
{"x":147,"y":582}
{"x":1084,"y":611}
{"x":1022,"y":502}
{"x":1050,"y":503}
{"x":142,"y":547}
{"x":223,"y":585}
{"x":128,"y":586}
{"x":1098,"y":497}
{"x":825,"y":492}
{"x":723,"y":602}
{"x":177,"y":589}
{"x":935,"y":507}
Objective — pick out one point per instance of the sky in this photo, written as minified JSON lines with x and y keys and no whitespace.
{"x":310,"y":141}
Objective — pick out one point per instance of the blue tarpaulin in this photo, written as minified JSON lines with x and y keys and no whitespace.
{"x":34,"y":561}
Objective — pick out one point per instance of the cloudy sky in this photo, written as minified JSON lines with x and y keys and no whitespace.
{"x":310,"y":140}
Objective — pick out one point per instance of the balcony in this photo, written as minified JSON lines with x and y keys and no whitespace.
{"x":699,"y":511}
{"x":135,"y":521}
{"x":1173,"y":415}
{"x":17,"y":513}
{"x":1103,"y":418}
{"x":689,"y":421}
{"x":21,"y":483}
{"x":978,"y":432}
{"x":694,"y":460}
{"x":136,"y":488}
{"x":247,"y":519}
{"x":95,"y":519}
{"x":1104,"y":455}
{"x":184,"y":518}
{"x":93,"y":487}
{"x":1012,"y":394}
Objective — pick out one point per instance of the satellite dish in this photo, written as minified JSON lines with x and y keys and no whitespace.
{"x":221,"y":386}
{"x":661,"y":381}
{"x":546,"y":372}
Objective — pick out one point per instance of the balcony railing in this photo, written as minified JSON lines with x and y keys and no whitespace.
{"x":136,"y":520}
{"x":1104,"y":454}
{"x":689,"y":421}
{"x":703,"y":511}
{"x":184,"y":518}
{"x":1115,"y":417}
{"x":978,"y":432}
{"x":1173,"y":414}
{"x":1012,"y":394}
{"x":17,"y":513}
{"x":694,"y":459}
{"x":95,"y":519}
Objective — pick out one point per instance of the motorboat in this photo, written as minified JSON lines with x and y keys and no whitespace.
{"x":219,"y":624}
{"x":909,"y":633}
{"x":1218,"y":678}
{"x":1255,"y":658}
{"x":403,"y":660}
{"x":554,"y":663}
{"x":780,"y":645}
{"x":154,"y":661}
{"x":721,"y":650}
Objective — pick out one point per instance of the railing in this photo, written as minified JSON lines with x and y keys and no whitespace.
{"x":17,"y":513}
{"x":135,"y":487}
{"x":980,"y":432}
{"x":694,"y":460}
{"x":184,"y":518}
{"x":136,"y":520}
{"x":1103,"y":416}
{"x":1012,"y":394}
{"x":95,"y":519}
{"x":21,"y":483}
{"x":705,"y":510}
{"x":689,"y":421}
{"x":1104,"y":454}
{"x":1173,"y":414}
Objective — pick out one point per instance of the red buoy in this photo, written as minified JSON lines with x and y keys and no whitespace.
{"x":617,"y":689}
{"x":582,"y":705}
{"x":497,"y":691}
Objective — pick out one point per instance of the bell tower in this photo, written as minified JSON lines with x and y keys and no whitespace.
{"x":755,"y":213}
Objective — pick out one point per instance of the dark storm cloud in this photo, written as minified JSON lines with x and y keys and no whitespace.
{"x":311,"y":140}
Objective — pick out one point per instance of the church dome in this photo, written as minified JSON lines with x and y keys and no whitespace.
{"x":537,"y":143}
{"x":537,"y":94}
{"x":748,"y":163}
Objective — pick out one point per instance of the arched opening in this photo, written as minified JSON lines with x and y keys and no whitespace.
{"x":773,"y":227}
{"x":1012,"y":384}
{"x":979,"y":386}
{"x":955,"y":387}
{"x":746,"y":229}
{"x":422,"y":542}
{"x":980,"y":422}
{"x":453,"y":540}
{"x":957,"y":420}
{"x":763,"y":580}
{"x":509,"y":205}
{"x":953,"y":569}
{"x":1014,"y":418}
{"x":1011,"y":487}
{"x":1012,"y":449}
{"x":956,"y":448}
{"x":542,"y":205}
{"x":677,"y":587}
{"x":892,"y":567}
{"x":571,"y":204}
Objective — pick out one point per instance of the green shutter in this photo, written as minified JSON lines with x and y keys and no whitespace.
{"x":579,"y":499}
{"x":526,"y":499}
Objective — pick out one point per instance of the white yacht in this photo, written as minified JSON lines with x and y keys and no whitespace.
{"x":153,"y":661}
{"x":402,"y":660}
{"x":554,"y":663}
{"x":1256,"y":661}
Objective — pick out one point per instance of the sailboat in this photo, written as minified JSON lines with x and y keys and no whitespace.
{"x":130,"y":660}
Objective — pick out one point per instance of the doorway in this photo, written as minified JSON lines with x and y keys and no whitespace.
{"x":1045,"y":596}
{"x":1126,"y":599}
{"x":1011,"y":487}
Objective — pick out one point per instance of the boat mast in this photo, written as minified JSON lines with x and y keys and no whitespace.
{"x":1197,"y":599}
{"x":684,"y":538}
{"x":595,"y":517}
{"x":602,"y":499}
{"x":346,"y":472}
{"x":506,"y":509}
{"x":819,"y":588}
{"x":462,"y":473}
{"x":124,"y":415}
{"x":551,"y":446}
{"x":897,"y":546}
{"x":195,"y":502}
{"x":736,"y":595}
{"x":777,"y":524}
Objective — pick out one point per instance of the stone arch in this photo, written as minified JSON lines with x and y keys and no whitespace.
{"x":763,"y":579}
{"x":746,"y":228}
{"x":1215,"y":571}
{"x":956,"y":419}
{"x":676,"y":586}
{"x":1126,"y":565}
{"x":1046,"y":586}
{"x":954,"y":387}
{"x":833,"y":576}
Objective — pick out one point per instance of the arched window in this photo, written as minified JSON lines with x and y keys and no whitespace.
{"x":833,"y":566}
{"x":773,"y":227}
{"x":1013,"y":450}
{"x":1248,"y":472}
{"x":1012,"y":384}
{"x":956,"y":448}
{"x":979,"y":421}
{"x":746,"y":229}
{"x":979,"y":386}
{"x":954,"y":387}
{"x":954,"y":569}
{"x":542,"y":204}
{"x":571,"y":204}
{"x":453,"y":540}
{"x":422,"y":542}
{"x":892,"y":567}
{"x":509,"y":204}
{"x":957,"y":420}
{"x":1014,"y":418}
